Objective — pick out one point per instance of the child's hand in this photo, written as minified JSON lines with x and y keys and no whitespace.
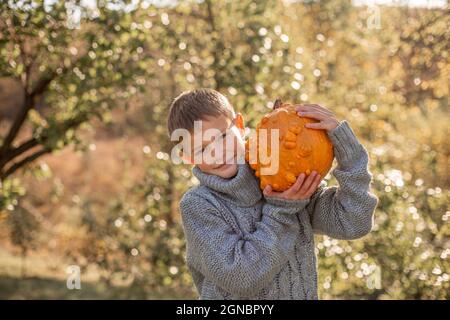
{"x":300,"y":190}
{"x":327,"y":119}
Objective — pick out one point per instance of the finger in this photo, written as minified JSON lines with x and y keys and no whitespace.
{"x":314,"y":185}
{"x":317,"y":125}
{"x":297,"y":185}
{"x":307,"y":182}
{"x":321,"y":108}
{"x":303,"y":107}
{"x":315,"y":107}
{"x":268,"y":191}
{"x":313,"y":114}
{"x":325,"y":125}
{"x":322,"y":115}
{"x":325,"y":113}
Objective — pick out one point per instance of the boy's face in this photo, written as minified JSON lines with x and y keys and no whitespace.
{"x":227,"y":146}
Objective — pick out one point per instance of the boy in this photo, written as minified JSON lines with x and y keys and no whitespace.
{"x":246,"y":244}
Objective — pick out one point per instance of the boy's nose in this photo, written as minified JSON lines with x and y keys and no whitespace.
{"x":229,"y":147}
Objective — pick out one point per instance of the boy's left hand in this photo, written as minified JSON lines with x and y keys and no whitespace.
{"x":302,"y":189}
{"x":328,"y":120}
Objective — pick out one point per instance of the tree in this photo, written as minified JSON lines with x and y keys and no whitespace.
{"x":74,"y":63}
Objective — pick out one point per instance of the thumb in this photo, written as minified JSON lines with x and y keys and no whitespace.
{"x":267,"y":190}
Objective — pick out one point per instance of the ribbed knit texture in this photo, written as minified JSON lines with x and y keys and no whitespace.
{"x":242,"y":245}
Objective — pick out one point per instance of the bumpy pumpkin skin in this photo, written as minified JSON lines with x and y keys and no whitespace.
{"x":301,"y":150}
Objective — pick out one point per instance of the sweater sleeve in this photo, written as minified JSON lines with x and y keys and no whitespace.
{"x":239,"y":263}
{"x":346,"y":211}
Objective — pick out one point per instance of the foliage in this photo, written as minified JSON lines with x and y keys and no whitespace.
{"x":71,"y":70}
{"x":390,"y":83}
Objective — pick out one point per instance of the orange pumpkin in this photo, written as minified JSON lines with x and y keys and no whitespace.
{"x":300,"y":149}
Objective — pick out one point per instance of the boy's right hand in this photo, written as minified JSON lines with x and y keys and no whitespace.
{"x":302,"y":188}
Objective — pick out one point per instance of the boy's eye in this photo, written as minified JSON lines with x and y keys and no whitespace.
{"x":218,"y":139}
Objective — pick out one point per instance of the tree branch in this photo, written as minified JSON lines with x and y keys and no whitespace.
{"x":28,"y":104}
{"x":12,"y":153}
{"x":43,"y":83}
{"x":33,"y":142}
{"x":17,"y":165}
{"x":17,"y":124}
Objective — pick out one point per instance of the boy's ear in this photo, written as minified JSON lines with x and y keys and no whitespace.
{"x":239,"y":121}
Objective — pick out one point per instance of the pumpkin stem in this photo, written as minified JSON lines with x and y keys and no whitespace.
{"x":277,"y":103}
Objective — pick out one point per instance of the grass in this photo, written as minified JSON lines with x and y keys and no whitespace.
{"x":44,"y":280}
{"x":51,"y":288}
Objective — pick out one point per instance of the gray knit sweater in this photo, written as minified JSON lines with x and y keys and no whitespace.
{"x":242,"y":245}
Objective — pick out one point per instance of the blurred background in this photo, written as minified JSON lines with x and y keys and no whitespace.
{"x":86,"y":179}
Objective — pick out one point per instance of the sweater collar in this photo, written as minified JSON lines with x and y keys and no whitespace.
{"x":243,"y":188}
